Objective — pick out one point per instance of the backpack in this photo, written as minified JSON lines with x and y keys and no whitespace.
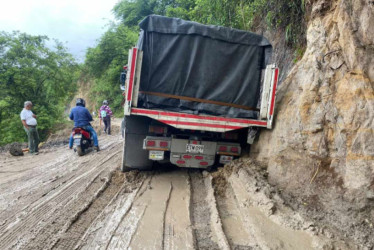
{"x":103,"y":113}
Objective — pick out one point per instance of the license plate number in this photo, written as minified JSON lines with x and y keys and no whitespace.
{"x":77,"y":136}
{"x":192,"y":148}
{"x":224,"y":159}
{"x":156,"y":155}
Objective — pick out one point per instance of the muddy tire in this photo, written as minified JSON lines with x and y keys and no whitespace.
{"x":123,"y":128}
{"x":124,"y":168}
{"x":80,"y":151}
{"x":134,"y":156}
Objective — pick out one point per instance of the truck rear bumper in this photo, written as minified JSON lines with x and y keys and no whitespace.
{"x":190,"y":153}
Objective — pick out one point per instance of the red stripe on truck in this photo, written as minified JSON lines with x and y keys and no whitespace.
{"x":132,"y":73}
{"x":209,"y":118}
{"x":200,"y":124}
{"x":274,"y":89}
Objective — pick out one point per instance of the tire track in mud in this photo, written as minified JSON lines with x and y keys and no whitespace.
{"x":128,"y":226}
{"x":80,"y":222}
{"x":255,"y":208}
{"x":233,"y":224}
{"x":43,"y":216}
{"x":250,"y":217}
{"x":33,"y":190}
{"x":46,"y":236}
{"x":106,"y":228}
{"x":33,"y":195}
{"x":55,"y":166}
{"x":204,"y":215}
{"x":149,"y":232}
{"x":38,"y":222}
{"x":178,"y":232}
{"x":155,"y":215}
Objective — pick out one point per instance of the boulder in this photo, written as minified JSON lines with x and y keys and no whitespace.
{"x":15,"y":149}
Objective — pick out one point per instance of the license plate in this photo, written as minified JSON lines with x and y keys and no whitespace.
{"x":77,"y":141}
{"x":156,"y":155}
{"x":224,"y":159}
{"x":193,"y":148}
{"x":77,"y":136}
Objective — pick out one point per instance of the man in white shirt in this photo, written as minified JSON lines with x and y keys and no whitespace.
{"x":29,"y":123}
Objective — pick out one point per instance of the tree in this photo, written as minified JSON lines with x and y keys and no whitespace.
{"x":132,"y":12}
{"x":104,"y":63}
{"x":29,"y":70}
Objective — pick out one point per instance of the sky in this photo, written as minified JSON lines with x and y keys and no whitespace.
{"x":76,"y":23}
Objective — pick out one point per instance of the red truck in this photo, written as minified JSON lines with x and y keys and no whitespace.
{"x":195,"y":94}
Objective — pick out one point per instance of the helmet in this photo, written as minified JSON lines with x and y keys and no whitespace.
{"x":105,"y":102}
{"x":80,"y":102}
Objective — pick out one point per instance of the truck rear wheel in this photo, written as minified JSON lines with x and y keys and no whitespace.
{"x":134,"y":156}
{"x":123,"y":128}
{"x":124,"y":167}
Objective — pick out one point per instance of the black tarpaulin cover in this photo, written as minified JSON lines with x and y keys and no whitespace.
{"x":188,"y":59}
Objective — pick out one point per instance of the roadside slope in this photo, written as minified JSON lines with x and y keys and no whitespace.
{"x":320,"y":151}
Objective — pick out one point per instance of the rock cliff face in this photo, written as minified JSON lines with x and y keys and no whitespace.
{"x":322,"y":146}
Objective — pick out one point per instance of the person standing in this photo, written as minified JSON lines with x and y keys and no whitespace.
{"x":29,"y":122}
{"x":105,"y":114}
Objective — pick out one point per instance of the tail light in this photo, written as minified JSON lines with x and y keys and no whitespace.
{"x":164,"y":144}
{"x":77,"y":131}
{"x":187,"y":156}
{"x":181,"y":162}
{"x":204,"y":163}
{"x":85,"y":134}
{"x":199,"y":157}
{"x":222,"y":149}
{"x":234,"y":149}
{"x":151,"y":143}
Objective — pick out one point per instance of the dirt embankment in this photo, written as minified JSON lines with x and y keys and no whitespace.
{"x":321,"y":150}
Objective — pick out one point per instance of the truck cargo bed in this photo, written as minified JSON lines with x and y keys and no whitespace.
{"x":190,"y":67}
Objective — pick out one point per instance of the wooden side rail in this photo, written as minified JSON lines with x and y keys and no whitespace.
{"x":192,"y":99}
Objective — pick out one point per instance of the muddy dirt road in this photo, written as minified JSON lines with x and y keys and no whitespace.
{"x":57,"y":200}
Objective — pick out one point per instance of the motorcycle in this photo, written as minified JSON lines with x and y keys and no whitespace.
{"x":82,"y":140}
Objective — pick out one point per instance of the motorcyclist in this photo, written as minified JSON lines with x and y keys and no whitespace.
{"x":82,"y":119}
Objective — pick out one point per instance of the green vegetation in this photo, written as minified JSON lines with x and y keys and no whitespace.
{"x":30,"y":71}
{"x":104,"y":64}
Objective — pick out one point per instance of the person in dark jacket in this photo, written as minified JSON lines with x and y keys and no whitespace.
{"x":82,"y":118}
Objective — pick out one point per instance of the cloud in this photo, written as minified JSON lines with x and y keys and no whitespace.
{"x":76,"y":23}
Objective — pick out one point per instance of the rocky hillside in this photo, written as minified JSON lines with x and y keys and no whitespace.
{"x":322,"y":146}
{"x":84,"y":86}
